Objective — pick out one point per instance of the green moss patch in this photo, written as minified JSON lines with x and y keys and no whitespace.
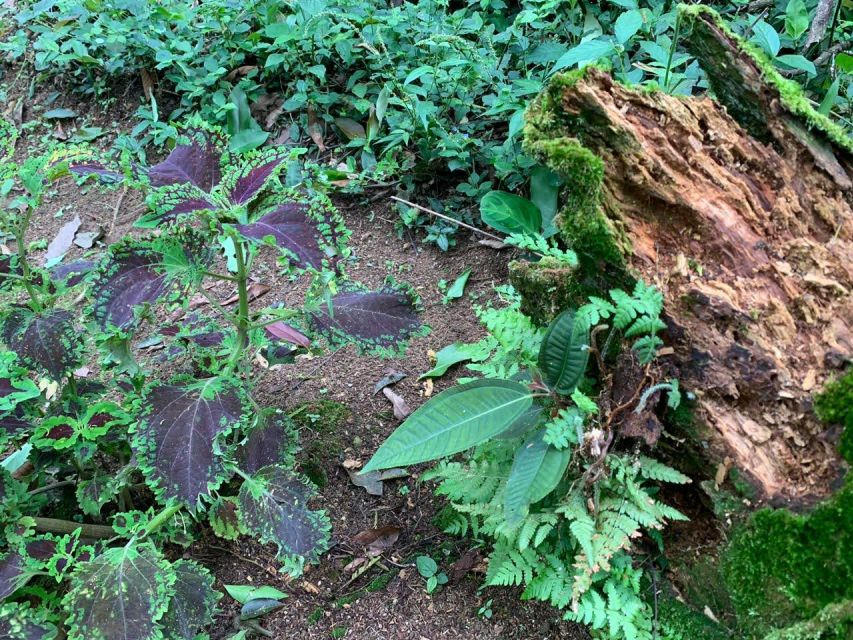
{"x":782,"y":568}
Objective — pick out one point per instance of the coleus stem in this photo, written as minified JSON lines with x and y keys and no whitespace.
{"x":20,"y":233}
{"x":242,"y":280}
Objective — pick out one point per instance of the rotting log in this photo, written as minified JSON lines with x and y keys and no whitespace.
{"x":740,"y":209}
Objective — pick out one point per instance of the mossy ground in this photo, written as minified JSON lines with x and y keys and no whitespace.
{"x":323,"y":419}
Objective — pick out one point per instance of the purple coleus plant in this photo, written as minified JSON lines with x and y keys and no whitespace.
{"x":196,"y":436}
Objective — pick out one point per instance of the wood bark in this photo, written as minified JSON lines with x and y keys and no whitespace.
{"x":752,"y":242}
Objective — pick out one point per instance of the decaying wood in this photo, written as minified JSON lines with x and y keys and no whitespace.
{"x":752,"y":243}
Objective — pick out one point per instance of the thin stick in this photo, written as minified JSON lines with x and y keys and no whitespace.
{"x":444,"y":217}
{"x":117,"y":206}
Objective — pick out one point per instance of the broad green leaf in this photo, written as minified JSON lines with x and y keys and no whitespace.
{"x":453,"y":421}
{"x":456,"y":353}
{"x":766,"y":37}
{"x":525,"y":467}
{"x":427,"y":567}
{"x":796,"y":18}
{"x":829,"y":99}
{"x":584,"y":54}
{"x":59,"y":114}
{"x":798,"y":62}
{"x":242,"y":593}
{"x":247,"y":140}
{"x":550,"y":473}
{"x":627,"y":24}
{"x":544,"y":191}
{"x":510,"y":213}
{"x":458,"y":287}
{"x":564,"y":352}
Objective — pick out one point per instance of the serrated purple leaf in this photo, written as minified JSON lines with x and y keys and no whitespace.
{"x":72,"y":273}
{"x":268,"y":443}
{"x":173,"y":200}
{"x":255,"y":178}
{"x":292,"y":229}
{"x":274,"y":507}
{"x":11,"y":569}
{"x":45,"y":339}
{"x":120,"y":594}
{"x":176,"y":438}
{"x":193,"y":603}
{"x":384,"y":318}
{"x":196,"y":163}
{"x":93,"y":167}
{"x":129,"y":279}
{"x":19,"y":622}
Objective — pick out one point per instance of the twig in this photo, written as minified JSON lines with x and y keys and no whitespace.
{"x":838,"y":47}
{"x":245,"y":559}
{"x":444,"y":217}
{"x":119,"y":202}
{"x":51,"y":487}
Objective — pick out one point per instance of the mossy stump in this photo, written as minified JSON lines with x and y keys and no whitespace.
{"x":747,"y":229}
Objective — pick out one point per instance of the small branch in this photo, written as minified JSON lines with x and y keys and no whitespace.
{"x":117,"y":206}
{"x":51,"y":487}
{"x":447,"y":218}
{"x":55,"y":525}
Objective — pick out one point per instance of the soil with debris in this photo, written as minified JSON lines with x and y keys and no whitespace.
{"x":389,"y":599}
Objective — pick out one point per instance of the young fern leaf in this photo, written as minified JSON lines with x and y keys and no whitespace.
{"x":120,"y":594}
{"x":273,"y":505}
{"x":564,"y":352}
{"x":453,"y":421}
{"x":178,"y":437}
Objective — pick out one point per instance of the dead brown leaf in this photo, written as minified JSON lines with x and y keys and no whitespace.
{"x":401,"y":409}
{"x":463,"y":565}
{"x":148,"y":82}
{"x":63,"y":240}
{"x":378,"y":540}
{"x":241,"y":71}
{"x":315,"y":129}
{"x":256,"y":290}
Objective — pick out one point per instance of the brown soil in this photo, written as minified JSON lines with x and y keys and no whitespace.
{"x":327,"y":600}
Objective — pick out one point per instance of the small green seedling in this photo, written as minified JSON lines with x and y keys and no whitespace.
{"x":428,"y":569}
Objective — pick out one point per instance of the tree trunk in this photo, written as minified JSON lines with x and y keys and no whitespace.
{"x":747,"y":227}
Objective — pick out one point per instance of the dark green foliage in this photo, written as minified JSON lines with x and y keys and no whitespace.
{"x":782,"y":567}
{"x":560,"y":508}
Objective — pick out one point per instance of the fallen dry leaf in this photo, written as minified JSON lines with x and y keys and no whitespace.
{"x":349,"y":463}
{"x":392,"y":377}
{"x":463,"y":565}
{"x":378,"y":540}
{"x":315,"y":130}
{"x":241,"y":71}
{"x":256,"y":290}
{"x":722,"y":472}
{"x":401,"y":409}
{"x":310,"y":587}
{"x":428,"y":388}
{"x":285,"y":332}
{"x":63,"y":240}
{"x":355,"y":564}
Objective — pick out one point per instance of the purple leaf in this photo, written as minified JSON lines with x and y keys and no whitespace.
{"x":222,"y":515}
{"x":94,"y":168}
{"x":176,"y":440}
{"x":274,"y":507}
{"x":194,"y":603}
{"x":270,"y":442}
{"x":293,"y":231}
{"x":285,"y":332}
{"x":196,"y":163}
{"x":19,"y":622}
{"x":243,"y":184}
{"x":46,"y":339}
{"x":171,"y":201}
{"x":136,"y":273}
{"x":120,"y":594}
{"x":382,"y":318}
{"x":72,"y":273}
{"x":11,"y":569}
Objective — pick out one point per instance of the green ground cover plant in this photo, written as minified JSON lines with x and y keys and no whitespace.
{"x":545,"y":482}
{"x":407,"y":89}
